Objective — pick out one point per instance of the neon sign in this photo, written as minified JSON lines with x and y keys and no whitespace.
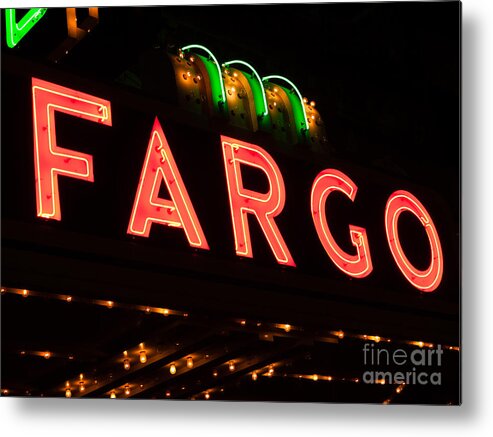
{"x":160,"y":168}
{"x":148,"y":208}
{"x":15,"y":31}
{"x":424,"y":280}
{"x":51,"y":160}
{"x":263,"y":206}
{"x":328,"y":181}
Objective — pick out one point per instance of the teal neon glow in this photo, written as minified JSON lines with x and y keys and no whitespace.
{"x":15,"y":31}
{"x":293,"y":86}
{"x":219,"y":72}
{"x":258,"y":97}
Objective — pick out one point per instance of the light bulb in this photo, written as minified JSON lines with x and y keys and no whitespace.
{"x":127,"y":389}
{"x":231,"y":366}
{"x":287,"y":328}
{"x":25,"y":293}
{"x":165,"y":311}
{"x":315,"y":377}
{"x":126,"y":364}
{"x":142,"y":354}
{"x":168,"y":394}
{"x":47,"y":355}
{"x":199,"y":77}
{"x":68,"y":393}
{"x":69,"y":299}
{"x":82,"y":387}
{"x":189,"y":362}
{"x":207,"y":396}
{"x":276,"y":89}
{"x":112,"y":394}
{"x":254,"y":376}
{"x":312,"y":104}
{"x":305,"y":100}
{"x":214,"y":374}
{"x":271,"y":371}
{"x":172,"y":369}
{"x":110,"y":304}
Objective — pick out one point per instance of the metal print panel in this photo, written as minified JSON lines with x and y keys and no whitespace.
{"x":252,"y":203}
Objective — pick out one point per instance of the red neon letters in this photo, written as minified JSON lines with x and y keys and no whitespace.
{"x":265,"y":206}
{"x":50,"y":161}
{"x":326,"y":182}
{"x":424,"y":280}
{"x":148,"y":208}
{"x":159,"y":166}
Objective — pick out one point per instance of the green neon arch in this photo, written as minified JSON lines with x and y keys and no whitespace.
{"x":216,"y":82}
{"x":293,"y":86}
{"x":258,"y":94}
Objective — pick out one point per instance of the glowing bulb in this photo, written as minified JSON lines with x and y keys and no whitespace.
{"x":199,"y":77}
{"x":110,"y":304}
{"x":188,"y":73}
{"x":271,"y":371}
{"x":214,"y":374}
{"x":340,"y":334}
{"x":68,"y":393}
{"x":47,"y":355}
{"x":112,"y":394}
{"x":126,"y":364}
{"x":189,"y":362}
{"x":287,"y":328}
{"x":25,"y":293}
{"x":168,"y":394}
{"x":82,"y":387}
{"x":127,"y":390}
{"x":305,"y":100}
{"x":233,"y":89}
{"x":243,"y":322}
{"x":254,"y":376}
{"x":231,"y":366}
{"x":207,"y":396}
{"x":69,"y":299}
{"x":3,"y":290}
{"x":420,"y":344}
{"x":377,"y":339}
{"x":315,"y":377}
{"x":142,"y":355}
{"x":235,"y":74}
{"x":147,"y":310}
{"x":276,"y":89}
{"x":312,"y":104}
{"x":165,"y":312}
{"x":192,"y":59}
{"x":172,"y":369}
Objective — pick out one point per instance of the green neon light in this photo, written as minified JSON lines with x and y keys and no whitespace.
{"x":296,"y":108}
{"x":217,"y":83}
{"x":258,"y":89}
{"x":15,"y":31}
